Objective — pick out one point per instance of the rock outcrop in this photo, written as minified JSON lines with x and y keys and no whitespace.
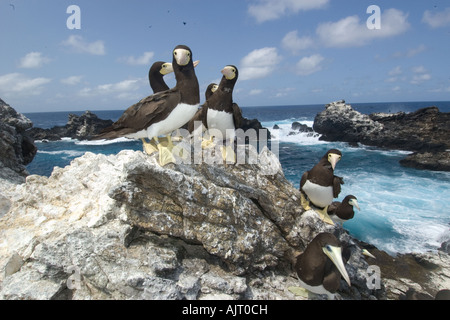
{"x":425,"y":132}
{"x":425,"y":273}
{"x":436,"y":161}
{"x":122,"y":227}
{"x":78,"y":127}
{"x":256,"y":125}
{"x":16,"y":148}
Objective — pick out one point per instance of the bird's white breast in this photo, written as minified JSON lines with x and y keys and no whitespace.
{"x":320,"y":196}
{"x":320,"y":289}
{"x":177,"y":118}
{"x":220,"y":120}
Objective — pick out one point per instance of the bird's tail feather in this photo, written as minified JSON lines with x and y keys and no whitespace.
{"x":112,"y":133}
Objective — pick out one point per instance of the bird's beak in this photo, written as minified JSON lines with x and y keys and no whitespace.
{"x":334,"y":159}
{"x":354,"y":203}
{"x":228,"y":73}
{"x":196,"y":63}
{"x":335,"y":256}
{"x":182,"y":56}
{"x":368,"y":254}
{"x":214,"y":88}
{"x":166,"y":69}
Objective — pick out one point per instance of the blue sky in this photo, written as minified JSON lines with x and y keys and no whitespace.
{"x":289,"y":52}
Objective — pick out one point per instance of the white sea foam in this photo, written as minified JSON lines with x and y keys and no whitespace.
{"x":286,"y":134}
{"x":64,"y":153}
{"x":399,"y":212}
{"x":102,"y":142}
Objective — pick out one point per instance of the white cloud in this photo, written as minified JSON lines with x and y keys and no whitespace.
{"x":410,"y":52}
{"x":438,"y":19}
{"x":17,"y":83}
{"x":143,"y":60}
{"x":420,"y":78}
{"x":284,"y":92}
{"x":259,"y":63}
{"x":294,"y":44}
{"x":415,"y":51}
{"x":394,"y":74}
{"x":420,"y":75}
{"x":309,"y":65}
{"x":419,"y":69}
{"x":351,"y":32}
{"x":33,"y":60}
{"x":71,"y":81}
{"x":255,"y":92}
{"x":122,"y":90}
{"x":79,"y":45}
{"x":396,"y":71}
{"x":266,"y":10}
{"x":439,"y":90}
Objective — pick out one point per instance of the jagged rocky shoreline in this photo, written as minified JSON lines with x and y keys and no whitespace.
{"x":17,"y":149}
{"x":81,"y":127}
{"x":122,"y":227}
{"x":424,"y":132}
{"x":88,"y":125}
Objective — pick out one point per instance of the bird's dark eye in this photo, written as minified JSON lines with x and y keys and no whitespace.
{"x":175,"y":53}
{"x":328,"y":247}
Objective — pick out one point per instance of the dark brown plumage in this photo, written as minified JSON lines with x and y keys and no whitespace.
{"x":210,"y":91}
{"x":343,"y":211}
{"x":198,"y":116}
{"x":141,"y":117}
{"x":221,"y":100}
{"x":155,"y":76}
{"x":315,"y":269}
{"x":322,"y":174}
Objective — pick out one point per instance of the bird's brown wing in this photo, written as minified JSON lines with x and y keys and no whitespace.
{"x":142,"y":114}
{"x":237,"y":116}
{"x":333,"y":207}
{"x":303,"y":179}
{"x":337,"y":181}
{"x":199,"y":116}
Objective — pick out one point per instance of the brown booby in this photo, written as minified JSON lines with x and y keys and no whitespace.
{"x":412,"y":294}
{"x":198,"y":116}
{"x":320,"y":185}
{"x":210,"y":90}
{"x":221,"y":115}
{"x":156,"y":73}
{"x":320,"y":267}
{"x":443,"y":295}
{"x":161,"y":113}
{"x":343,"y":211}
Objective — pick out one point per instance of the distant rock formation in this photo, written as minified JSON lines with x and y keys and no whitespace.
{"x":78,"y":127}
{"x":425,"y":132}
{"x":256,"y":125}
{"x":297,"y":128}
{"x":16,"y":148}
